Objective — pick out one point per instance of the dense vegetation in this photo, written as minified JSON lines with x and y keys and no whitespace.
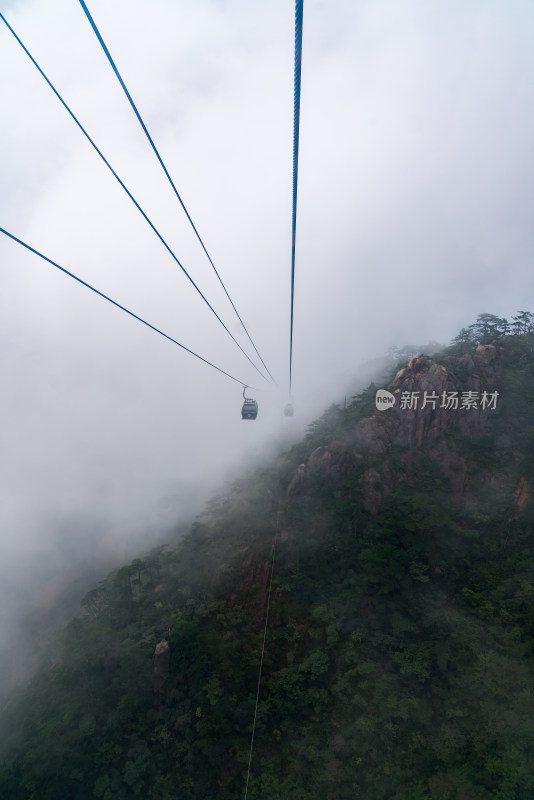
{"x":399,"y":654}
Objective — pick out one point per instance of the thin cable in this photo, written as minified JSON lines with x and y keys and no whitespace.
{"x":130,"y":195}
{"x":122,"y":308}
{"x":299,"y":4}
{"x":262,"y":654}
{"x":164,"y":168}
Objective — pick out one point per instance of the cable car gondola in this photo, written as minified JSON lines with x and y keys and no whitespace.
{"x":289,"y":410}
{"x":250,"y":407}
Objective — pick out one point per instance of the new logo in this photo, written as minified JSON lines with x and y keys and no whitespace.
{"x":384,"y":400}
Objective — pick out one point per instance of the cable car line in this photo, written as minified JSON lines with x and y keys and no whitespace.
{"x":164,"y":168}
{"x":118,"y":305}
{"x":299,"y":4}
{"x":262,"y":652}
{"x":289,"y":407}
{"x":130,"y":195}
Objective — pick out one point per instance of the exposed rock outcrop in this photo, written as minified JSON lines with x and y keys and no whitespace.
{"x":431,"y":400}
{"x":422,"y":413}
{"x":522,"y":494}
{"x":297,"y":482}
{"x":333,"y":460}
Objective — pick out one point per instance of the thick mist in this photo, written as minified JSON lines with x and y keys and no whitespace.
{"x":415,"y":209}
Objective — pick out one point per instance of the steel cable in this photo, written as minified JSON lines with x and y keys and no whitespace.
{"x":130,"y":195}
{"x":299,"y":8}
{"x":164,"y":168}
{"x":118,"y":305}
{"x":273,"y":553}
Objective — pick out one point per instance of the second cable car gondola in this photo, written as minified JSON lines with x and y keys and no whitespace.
{"x":249,"y":409}
{"x":289,"y":410}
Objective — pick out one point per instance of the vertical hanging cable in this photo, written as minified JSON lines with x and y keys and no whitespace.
{"x":273,"y":552}
{"x":299,"y":4}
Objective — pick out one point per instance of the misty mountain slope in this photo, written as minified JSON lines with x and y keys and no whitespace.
{"x":399,"y":651}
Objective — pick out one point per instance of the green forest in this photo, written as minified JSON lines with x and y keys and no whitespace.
{"x":399,"y":650}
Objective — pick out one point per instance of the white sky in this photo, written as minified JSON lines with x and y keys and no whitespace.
{"x":415,"y":215}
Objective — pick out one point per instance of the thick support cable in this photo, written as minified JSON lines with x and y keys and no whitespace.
{"x":299,"y":8}
{"x":164,"y":168}
{"x":113,"y":302}
{"x":130,"y":195}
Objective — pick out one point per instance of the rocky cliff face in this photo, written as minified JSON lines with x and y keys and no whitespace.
{"x":432,"y":400}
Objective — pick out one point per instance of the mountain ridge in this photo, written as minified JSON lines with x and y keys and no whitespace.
{"x":400,"y":649}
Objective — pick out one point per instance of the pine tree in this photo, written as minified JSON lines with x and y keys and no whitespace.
{"x":523,"y":323}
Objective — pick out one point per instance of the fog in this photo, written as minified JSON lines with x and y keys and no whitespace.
{"x":415,"y":209}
